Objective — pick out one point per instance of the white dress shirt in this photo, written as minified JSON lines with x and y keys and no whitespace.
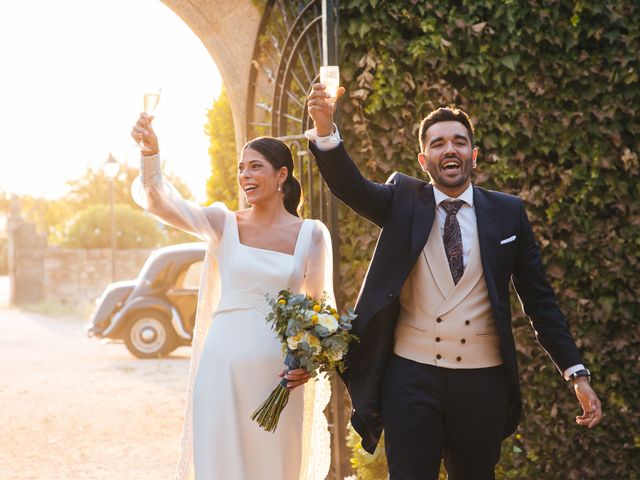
{"x":466,"y":215}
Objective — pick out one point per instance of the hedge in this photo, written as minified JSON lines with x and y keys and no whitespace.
{"x":553,"y":90}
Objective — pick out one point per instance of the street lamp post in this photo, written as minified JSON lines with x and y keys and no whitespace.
{"x":111,"y":169}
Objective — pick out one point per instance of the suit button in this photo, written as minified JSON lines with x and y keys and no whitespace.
{"x":438,"y":320}
{"x":390,"y":295}
{"x":437,"y":339}
{"x":463,"y":341}
{"x":458,"y":358}
{"x":438,"y":356}
{"x":467,"y":322}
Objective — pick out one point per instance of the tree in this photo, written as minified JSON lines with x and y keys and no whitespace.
{"x":92,"y":188}
{"x":222,"y":185}
{"x":90,"y":228}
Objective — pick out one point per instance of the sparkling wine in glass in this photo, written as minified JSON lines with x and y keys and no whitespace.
{"x":151,"y":99}
{"x":330,"y":77}
{"x":151,"y":102}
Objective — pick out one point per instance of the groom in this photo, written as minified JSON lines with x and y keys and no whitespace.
{"x":436,"y":363}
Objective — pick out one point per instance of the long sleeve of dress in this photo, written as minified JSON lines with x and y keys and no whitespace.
{"x":319,"y":265}
{"x":153,"y":192}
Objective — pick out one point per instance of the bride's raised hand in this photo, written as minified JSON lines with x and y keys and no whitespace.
{"x":295,"y":378}
{"x":142,"y":131}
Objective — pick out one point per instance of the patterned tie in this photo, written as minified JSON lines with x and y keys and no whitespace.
{"x":453,"y":239}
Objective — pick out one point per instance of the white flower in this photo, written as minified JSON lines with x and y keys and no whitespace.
{"x":328,"y":321}
{"x":292,"y":342}
{"x":301,"y":337}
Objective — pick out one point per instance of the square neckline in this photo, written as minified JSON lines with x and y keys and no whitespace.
{"x":295,"y":247}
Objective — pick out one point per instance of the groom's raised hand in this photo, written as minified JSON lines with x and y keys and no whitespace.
{"x":321,"y":110}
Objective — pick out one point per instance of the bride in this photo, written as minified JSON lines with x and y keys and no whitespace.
{"x":236,"y":356}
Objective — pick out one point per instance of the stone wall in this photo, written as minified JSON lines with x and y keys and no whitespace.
{"x":73,"y":275}
{"x":228,"y":30}
{"x":26,"y":248}
{"x":67,"y":276}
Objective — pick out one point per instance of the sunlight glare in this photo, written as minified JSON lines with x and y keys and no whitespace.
{"x":74,"y":75}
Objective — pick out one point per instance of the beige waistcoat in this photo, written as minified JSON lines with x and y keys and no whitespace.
{"x":445,"y":324}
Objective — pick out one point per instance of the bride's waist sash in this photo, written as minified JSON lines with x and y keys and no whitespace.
{"x":244,"y":300}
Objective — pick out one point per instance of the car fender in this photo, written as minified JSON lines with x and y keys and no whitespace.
{"x":141,"y":303}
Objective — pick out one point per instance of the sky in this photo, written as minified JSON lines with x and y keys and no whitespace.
{"x":72,"y":78}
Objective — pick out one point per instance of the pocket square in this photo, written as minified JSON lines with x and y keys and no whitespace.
{"x":508,"y":240}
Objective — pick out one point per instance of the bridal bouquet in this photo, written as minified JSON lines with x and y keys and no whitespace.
{"x":313,"y":337}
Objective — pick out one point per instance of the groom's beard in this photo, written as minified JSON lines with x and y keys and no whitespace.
{"x":443,"y":177}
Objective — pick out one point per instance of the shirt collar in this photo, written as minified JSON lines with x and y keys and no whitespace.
{"x":466,"y":196}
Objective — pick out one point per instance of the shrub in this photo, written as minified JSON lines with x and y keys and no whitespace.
{"x":91,"y":228}
{"x":553,"y":89}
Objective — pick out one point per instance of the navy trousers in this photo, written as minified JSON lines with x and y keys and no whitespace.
{"x":430,"y":413}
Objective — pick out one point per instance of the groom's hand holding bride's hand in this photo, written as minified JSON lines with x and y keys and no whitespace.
{"x":320,"y":110}
{"x":142,"y":131}
{"x":296,"y":377}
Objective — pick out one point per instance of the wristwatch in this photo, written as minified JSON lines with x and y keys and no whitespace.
{"x":580,"y":373}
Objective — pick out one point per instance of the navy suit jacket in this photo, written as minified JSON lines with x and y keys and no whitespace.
{"x":404,"y":208}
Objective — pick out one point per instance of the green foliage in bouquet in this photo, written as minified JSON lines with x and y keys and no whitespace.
{"x":311,"y":330}
{"x":313,"y":336}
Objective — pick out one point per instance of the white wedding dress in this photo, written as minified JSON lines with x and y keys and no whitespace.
{"x":236,"y":356}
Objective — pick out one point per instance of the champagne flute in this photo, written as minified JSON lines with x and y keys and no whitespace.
{"x":330,"y":77}
{"x":150,"y":103}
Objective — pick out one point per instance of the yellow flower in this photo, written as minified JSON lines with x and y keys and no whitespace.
{"x":333,"y":311}
{"x":336,"y":316}
{"x":316,"y":308}
{"x":313,"y":342}
{"x":328,"y":322}
{"x":282,"y":301}
{"x":314,"y":319}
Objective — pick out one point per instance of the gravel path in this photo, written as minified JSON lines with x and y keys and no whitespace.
{"x":74,"y":408}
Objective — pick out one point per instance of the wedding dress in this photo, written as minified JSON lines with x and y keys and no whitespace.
{"x":235,"y":355}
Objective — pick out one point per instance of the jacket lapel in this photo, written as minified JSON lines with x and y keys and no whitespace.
{"x":424,"y":211}
{"x":488,"y":238}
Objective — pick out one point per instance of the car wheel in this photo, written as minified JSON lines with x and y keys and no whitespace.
{"x":149,"y":334}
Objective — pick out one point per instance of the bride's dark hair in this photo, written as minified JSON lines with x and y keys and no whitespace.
{"x":279,"y":155}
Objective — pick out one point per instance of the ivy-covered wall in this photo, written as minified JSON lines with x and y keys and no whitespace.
{"x":553,"y":90}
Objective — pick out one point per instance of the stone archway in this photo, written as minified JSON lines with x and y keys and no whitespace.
{"x":228,"y":30}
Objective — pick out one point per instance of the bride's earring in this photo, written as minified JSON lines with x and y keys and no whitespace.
{"x":279,"y":188}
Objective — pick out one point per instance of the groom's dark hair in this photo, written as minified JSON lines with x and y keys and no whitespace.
{"x":444,"y":114}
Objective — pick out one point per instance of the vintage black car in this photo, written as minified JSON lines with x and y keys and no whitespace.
{"x":155,"y":313}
